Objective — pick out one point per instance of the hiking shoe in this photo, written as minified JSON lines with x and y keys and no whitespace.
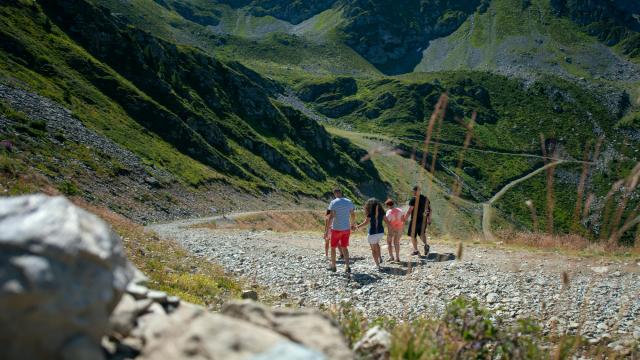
{"x":332,"y":268}
{"x":348,"y":270}
{"x":426,"y":249}
{"x":415,"y":253}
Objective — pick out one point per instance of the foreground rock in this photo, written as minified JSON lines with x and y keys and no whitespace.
{"x":62,"y":272}
{"x":245,"y":330}
{"x":309,"y":328}
{"x":375,"y":344}
{"x":148,"y":329}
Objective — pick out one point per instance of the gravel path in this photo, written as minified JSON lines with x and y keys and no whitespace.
{"x":601,"y":298}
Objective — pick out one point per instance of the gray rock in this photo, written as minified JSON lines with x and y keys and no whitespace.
{"x":375,"y":344}
{"x":157,"y":296}
{"x":123,"y":318}
{"x":492,"y":298}
{"x":600,"y":269}
{"x":192,"y":332}
{"x":137,"y":291}
{"x":250,"y":295}
{"x":295,"y":325}
{"x":62,"y":271}
{"x":173,"y":300}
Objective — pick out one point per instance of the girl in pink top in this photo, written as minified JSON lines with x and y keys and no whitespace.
{"x":395,"y":220}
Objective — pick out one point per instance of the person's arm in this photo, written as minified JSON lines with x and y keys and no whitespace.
{"x":352,"y":215}
{"x":407,"y":214}
{"x":386,"y":220}
{"x":365,"y":222}
{"x":327,"y":223}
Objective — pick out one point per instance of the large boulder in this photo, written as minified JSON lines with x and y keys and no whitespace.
{"x":192,"y":332}
{"x":62,"y":272}
{"x":312,"y":329}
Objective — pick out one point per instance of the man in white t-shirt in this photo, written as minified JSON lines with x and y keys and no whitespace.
{"x":338,"y":227}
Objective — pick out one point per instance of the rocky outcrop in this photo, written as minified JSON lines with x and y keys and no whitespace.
{"x":244,"y":330}
{"x":311,"y":329}
{"x":62,"y":272}
{"x":391,"y":37}
{"x":375,"y":344}
{"x":67,"y":291}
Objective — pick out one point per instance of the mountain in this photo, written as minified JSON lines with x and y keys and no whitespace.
{"x":224,"y":91}
{"x":176,"y":107}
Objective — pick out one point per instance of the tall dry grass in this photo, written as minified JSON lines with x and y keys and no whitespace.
{"x":278,"y":221}
{"x":567,"y":242}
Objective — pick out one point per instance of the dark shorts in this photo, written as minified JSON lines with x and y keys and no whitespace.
{"x":421,"y":227}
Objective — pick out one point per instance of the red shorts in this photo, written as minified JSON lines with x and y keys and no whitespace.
{"x":340,"y":238}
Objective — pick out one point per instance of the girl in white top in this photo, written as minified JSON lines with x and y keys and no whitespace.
{"x":395,"y":220}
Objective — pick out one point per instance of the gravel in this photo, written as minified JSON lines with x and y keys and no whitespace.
{"x":600,"y":304}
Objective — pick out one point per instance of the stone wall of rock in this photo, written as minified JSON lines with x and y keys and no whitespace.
{"x":67,"y":291}
{"x":62,"y":272}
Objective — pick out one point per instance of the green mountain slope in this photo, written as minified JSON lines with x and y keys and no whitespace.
{"x":215,"y":84}
{"x":516,"y":39}
{"x":123,"y":82}
{"x":506,"y":145}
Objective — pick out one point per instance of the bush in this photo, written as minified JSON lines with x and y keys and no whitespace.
{"x":466,"y":331}
{"x":69,"y":188}
{"x":12,"y":114}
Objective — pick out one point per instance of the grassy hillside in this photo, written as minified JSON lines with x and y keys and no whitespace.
{"x":506,"y":144}
{"x":516,"y":39}
{"x":175,"y":106}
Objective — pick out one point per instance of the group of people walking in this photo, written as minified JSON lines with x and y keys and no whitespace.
{"x":341,"y":220}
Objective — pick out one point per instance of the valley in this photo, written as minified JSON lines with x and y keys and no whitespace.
{"x":211,"y":133}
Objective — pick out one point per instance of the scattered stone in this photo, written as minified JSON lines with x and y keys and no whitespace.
{"x":63,"y":271}
{"x":600,"y":269}
{"x":249,"y":295}
{"x":375,"y":344}
{"x":492,"y":298}
{"x":173,"y":300}
{"x":137,"y":291}
{"x":157,"y":296}
{"x":429,"y":286}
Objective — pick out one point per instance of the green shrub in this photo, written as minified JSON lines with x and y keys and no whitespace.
{"x":69,"y":188}
{"x":12,"y":114}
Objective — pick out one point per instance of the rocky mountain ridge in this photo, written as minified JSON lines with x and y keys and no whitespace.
{"x":223,"y":116}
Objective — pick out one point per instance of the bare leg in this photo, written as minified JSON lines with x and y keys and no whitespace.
{"x":396,"y":244}
{"x":326,"y":247}
{"x":423,"y":236}
{"x":333,"y":257}
{"x":390,"y":244}
{"x":345,"y":252}
{"x":374,"y":253}
{"x":414,"y":242}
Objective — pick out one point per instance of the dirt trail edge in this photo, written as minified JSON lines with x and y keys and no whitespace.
{"x":601,"y":298}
